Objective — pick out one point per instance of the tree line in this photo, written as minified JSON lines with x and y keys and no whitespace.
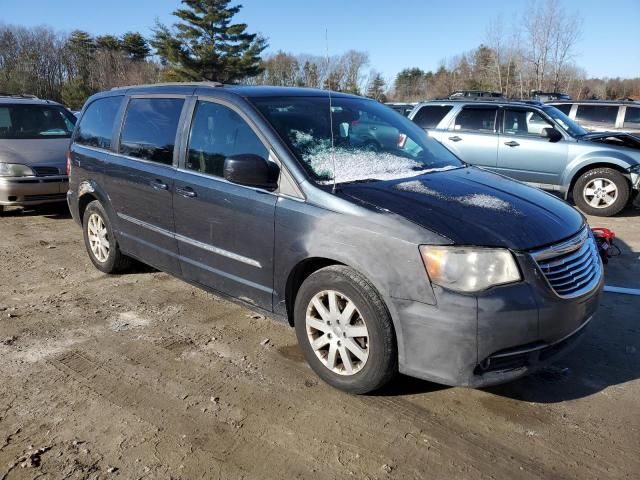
{"x":536,"y":53}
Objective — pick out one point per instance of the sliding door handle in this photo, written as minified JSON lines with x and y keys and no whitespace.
{"x":159,"y":184}
{"x":186,"y":192}
{"x":512,"y":143}
{"x":455,"y":138}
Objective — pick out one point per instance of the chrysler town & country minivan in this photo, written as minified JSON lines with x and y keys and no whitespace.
{"x":394,"y":259}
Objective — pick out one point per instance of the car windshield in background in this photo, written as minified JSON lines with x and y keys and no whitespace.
{"x":370,"y":141}
{"x":35,"y":121}
{"x":565,"y":122}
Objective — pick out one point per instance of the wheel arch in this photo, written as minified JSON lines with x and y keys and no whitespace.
{"x":592,"y":166}
{"x":298,"y":274}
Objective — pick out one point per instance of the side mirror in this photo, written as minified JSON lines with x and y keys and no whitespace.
{"x":552,"y":134}
{"x":252,"y":171}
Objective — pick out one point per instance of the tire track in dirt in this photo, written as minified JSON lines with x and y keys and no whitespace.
{"x":149,"y":365}
{"x":132,"y":391}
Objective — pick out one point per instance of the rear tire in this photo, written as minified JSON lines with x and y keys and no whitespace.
{"x":345,"y":331}
{"x":100,"y":242}
{"x":602,"y":192}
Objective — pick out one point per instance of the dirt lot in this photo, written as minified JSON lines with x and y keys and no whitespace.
{"x":144,"y":376}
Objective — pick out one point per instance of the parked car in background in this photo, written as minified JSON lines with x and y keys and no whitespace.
{"x":458,"y":94}
{"x":34,"y":137}
{"x":548,"y":96}
{"x":538,"y":144}
{"x":598,"y":115}
{"x":403,"y":108}
{"x":403,"y":259}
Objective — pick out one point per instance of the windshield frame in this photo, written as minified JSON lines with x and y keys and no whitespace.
{"x":72,"y":119}
{"x":427,"y":144}
{"x":574,"y":129}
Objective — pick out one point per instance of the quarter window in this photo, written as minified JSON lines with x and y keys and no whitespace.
{"x":632,"y":117}
{"x":603,"y":114}
{"x":476,"y":120}
{"x":564,"y":108}
{"x":217,"y":132}
{"x":524,"y":122}
{"x":96,"y":126}
{"x":431,"y":115}
{"x":150,"y":127}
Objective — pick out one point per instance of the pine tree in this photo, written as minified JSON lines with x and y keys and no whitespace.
{"x":135,"y":46}
{"x":108,"y":42}
{"x":205,"y":45}
{"x":376,"y":88}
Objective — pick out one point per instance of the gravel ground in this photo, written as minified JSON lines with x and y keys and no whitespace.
{"x":144,"y":376}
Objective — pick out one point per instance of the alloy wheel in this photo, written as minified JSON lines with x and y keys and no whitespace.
{"x":337,"y":332}
{"x":600,"y":193}
{"x":98,"y":238}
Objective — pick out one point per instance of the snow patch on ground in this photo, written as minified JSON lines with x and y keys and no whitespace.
{"x":127,"y":321}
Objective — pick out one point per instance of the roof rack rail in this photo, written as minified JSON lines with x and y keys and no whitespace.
{"x":18,"y":95}
{"x":172,"y":84}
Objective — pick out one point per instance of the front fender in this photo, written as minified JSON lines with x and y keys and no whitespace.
{"x":597,"y":159}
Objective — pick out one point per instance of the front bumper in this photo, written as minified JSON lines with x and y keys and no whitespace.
{"x":493,"y":337}
{"x":26,"y":191}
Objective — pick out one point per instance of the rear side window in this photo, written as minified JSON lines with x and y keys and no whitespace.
{"x":96,"y":126}
{"x":604,"y":114}
{"x":632,"y":117}
{"x":476,"y":120}
{"x":149,"y":130}
{"x":564,"y":108}
{"x":430,"y":116}
{"x":217,"y":132}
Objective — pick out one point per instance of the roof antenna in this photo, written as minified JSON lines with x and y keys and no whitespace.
{"x":333,"y":157}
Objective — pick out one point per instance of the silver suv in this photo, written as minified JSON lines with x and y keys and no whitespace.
{"x":34,"y":138}
{"x":538,"y":144}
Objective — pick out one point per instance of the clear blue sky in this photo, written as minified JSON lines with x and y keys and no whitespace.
{"x":398,"y":34}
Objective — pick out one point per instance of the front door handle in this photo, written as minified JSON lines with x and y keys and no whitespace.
{"x":455,"y":138}
{"x":159,"y":184}
{"x":512,"y":143}
{"x":186,"y":192}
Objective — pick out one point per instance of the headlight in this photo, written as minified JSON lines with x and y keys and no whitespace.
{"x":15,"y":170}
{"x":469,"y":269}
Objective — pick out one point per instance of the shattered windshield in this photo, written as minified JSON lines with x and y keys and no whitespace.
{"x":571,"y":127}
{"x":370,"y":141}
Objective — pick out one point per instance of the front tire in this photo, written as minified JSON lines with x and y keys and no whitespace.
{"x":345,"y":331}
{"x":602,"y":192}
{"x":100,"y":242}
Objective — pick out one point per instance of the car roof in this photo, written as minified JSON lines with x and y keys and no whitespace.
{"x":241,"y":90}
{"x":484,"y":101}
{"x":25,"y":100}
{"x":597,"y":102}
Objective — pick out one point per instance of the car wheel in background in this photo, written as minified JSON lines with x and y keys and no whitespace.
{"x":345,"y":331}
{"x":100,"y":242}
{"x":602,"y":192}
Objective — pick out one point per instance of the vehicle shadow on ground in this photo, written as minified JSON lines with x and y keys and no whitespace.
{"x":54,"y":211}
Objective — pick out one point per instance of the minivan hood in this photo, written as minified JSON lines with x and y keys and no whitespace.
{"x":471,"y":206}
{"x":34,"y":152}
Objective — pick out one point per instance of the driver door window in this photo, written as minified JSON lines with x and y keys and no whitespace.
{"x":217,"y":132}
{"x":524,"y":123}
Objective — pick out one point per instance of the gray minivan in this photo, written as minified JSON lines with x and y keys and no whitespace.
{"x":34,"y":139}
{"x":401,"y":258}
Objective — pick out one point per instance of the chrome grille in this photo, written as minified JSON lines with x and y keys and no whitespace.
{"x":571,"y":268}
{"x":46,"y":171}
